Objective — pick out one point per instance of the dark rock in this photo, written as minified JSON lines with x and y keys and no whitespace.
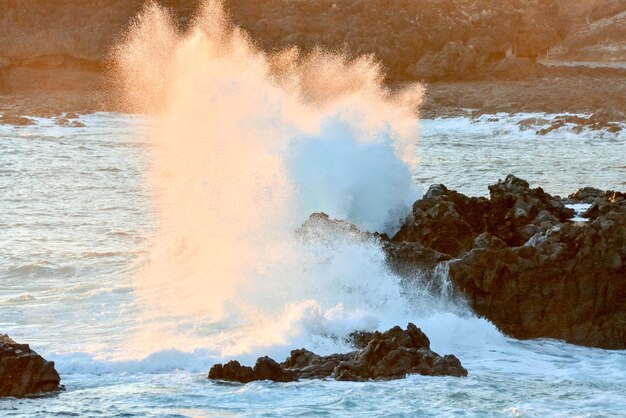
{"x":515,"y":205}
{"x":308,"y":365}
{"x":408,"y":257}
{"x":444,"y":220}
{"x":232,"y":371}
{"x":381,"y":356}
{"x":522,"y":264}
{"x":448,"y":222}
{"x":567,"y":283}
{"x":394,"y":354}
{"x":612,"y":201}
{"x":585,"y":195}
{"x":24,"y":372}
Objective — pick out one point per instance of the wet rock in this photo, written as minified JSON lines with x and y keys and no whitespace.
{"x":444,"y":220}
{"x":232,"y":371}
{"x":448,"y":222}
{"x":381,"y":356}
{"x":567,"y":283}
{"x":585,"y":195}
{"x":515,"y":205}
{"x":407,"y":257}
{"x":528,"y":268}
{"x":24,"y":372}
{"x":612,"y":201}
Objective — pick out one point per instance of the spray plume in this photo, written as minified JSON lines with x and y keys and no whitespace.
{"x":245,"y":146}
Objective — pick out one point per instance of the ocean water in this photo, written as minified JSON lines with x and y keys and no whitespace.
{"x":77,"y":226}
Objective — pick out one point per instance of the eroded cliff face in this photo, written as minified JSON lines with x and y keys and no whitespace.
{"x":431,"y":39}
{"x":62,"y":46}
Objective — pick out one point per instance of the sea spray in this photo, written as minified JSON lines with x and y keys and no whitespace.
{"x":246,"y":146}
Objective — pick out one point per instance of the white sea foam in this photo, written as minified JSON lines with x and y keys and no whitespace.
{"x":245,"y":146}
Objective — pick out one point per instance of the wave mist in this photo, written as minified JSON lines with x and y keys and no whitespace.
{"x":245,"y":145}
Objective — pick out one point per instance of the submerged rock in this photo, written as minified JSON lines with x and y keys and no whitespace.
{"x":381,"y":356}
{"x":15,"y":120}
{"x":521,"y":262}
{"x":65,"y":121}
{"x":601,"y":120}
{"x":23,"y":371}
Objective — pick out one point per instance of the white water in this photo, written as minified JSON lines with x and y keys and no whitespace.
{"x":78,"y":224}
{"x":245,"y":146}
{"x":139,"y":251}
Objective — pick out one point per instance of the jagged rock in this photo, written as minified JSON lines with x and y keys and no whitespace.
{"x":319,"y":227}
{"x":444,"y":220}
{"x":406,"y":257}
{"x":518,"y":259}
{"x":381,"y":356}
{"x":523,"y":265}
{"x":515,"y":205}
{"x":448,"y":222}
{"x":24,"y":372}
{"x":585,"y":195}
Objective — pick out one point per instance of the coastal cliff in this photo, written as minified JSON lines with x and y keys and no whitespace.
{"x":52,"y":47}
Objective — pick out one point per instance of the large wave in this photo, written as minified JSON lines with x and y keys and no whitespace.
{"x":245,"y":146}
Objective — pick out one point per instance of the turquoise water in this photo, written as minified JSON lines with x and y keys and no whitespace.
{"x":77,"y":222}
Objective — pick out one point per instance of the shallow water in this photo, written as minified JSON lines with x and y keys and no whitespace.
{"x":468,"y":155}
{"x":77,"y":220}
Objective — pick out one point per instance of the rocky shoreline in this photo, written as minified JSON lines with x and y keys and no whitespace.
{"x":521,"y":258}
{"x":522,"y":262}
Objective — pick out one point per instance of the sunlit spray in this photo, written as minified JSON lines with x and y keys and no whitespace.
{"x":246,"y":145}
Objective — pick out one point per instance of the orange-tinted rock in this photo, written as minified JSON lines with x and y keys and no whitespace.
{"x":23,"y":371}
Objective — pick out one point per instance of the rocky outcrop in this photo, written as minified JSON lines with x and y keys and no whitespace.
{"x":15,"y":120}
{"x":523,"y":264}
{"x":24,"y":372}
{"x":609,"y":121}
{"x":449,"y":222}
{"x":381,"y":356}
